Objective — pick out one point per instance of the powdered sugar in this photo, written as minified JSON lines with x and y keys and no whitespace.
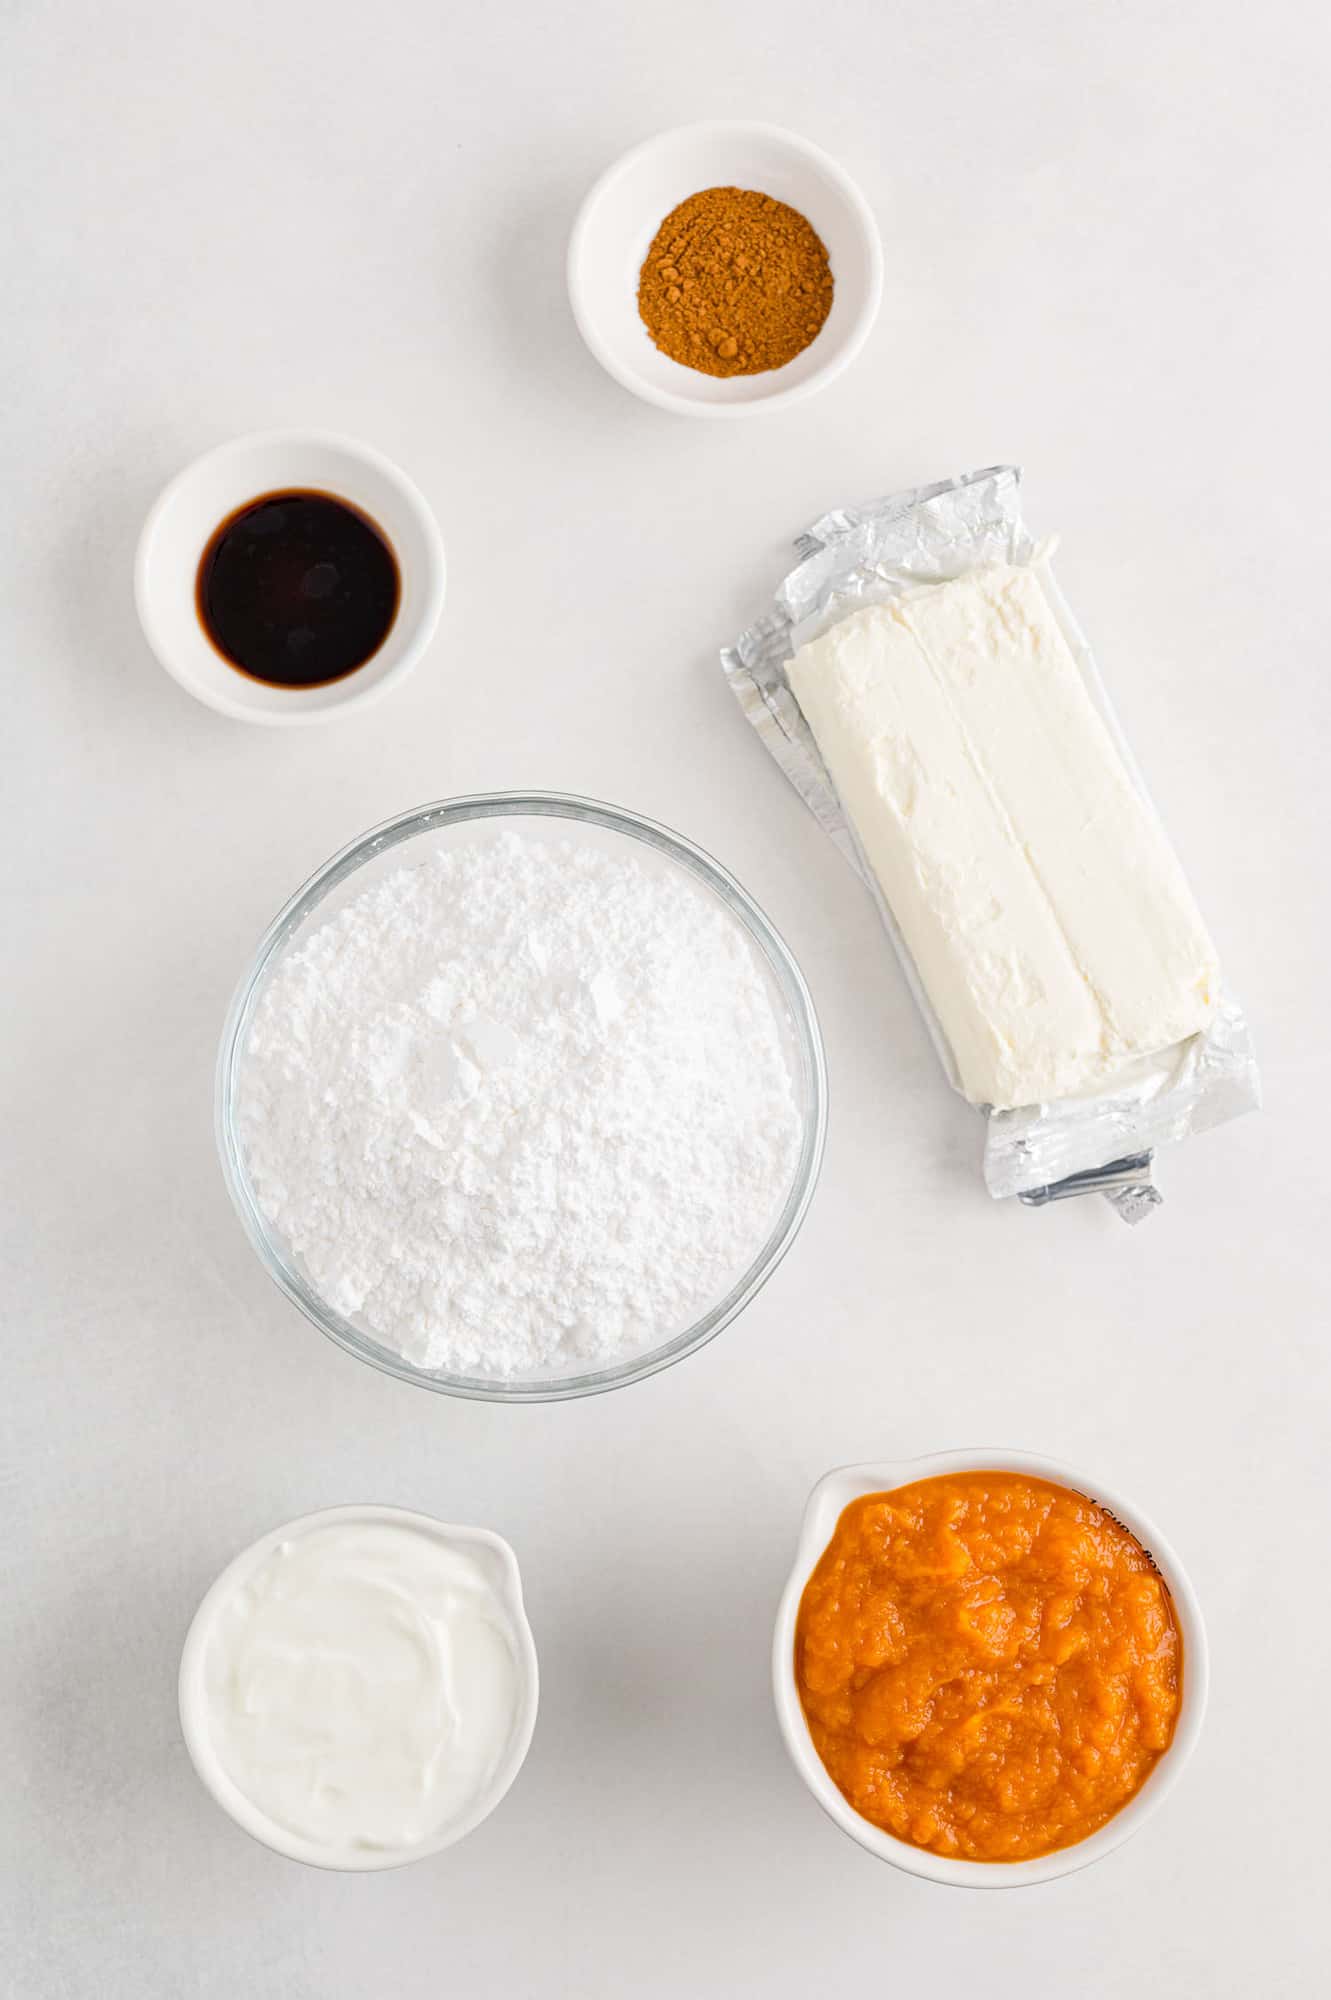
{"x":522,"y":1109}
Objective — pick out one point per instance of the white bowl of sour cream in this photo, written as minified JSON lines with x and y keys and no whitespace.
{"x":359,"y":1688}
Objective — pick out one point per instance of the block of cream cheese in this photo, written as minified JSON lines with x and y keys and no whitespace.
{"x":1044,"y":909}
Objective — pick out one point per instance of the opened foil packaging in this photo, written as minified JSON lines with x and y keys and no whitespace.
{"x":1102,"y":1143}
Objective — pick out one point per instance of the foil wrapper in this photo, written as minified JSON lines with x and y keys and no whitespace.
{"x":1101,"y":1143}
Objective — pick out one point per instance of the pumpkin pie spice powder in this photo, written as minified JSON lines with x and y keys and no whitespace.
{"x":735,"y":283}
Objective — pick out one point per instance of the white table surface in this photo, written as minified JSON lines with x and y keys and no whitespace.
{"x":1103,"y":228}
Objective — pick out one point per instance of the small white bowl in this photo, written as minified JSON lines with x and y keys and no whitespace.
{"x":829,"y":1498}
{"x":488,"y":1548}
{"x":200,"y":498}
{"x":621,"y":215}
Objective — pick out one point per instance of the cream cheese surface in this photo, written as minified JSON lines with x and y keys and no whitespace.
{"x":1046,"y":914}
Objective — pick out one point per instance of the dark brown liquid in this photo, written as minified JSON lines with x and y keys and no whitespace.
{"x":297,"y":589}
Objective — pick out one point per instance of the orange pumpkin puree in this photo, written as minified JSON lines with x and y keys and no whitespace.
{"x":989,"y":1664}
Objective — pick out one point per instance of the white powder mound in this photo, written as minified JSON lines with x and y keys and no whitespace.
{"x":522,"y":1109}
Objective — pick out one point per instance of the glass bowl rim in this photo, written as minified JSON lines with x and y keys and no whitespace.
{"x":776,"y":954}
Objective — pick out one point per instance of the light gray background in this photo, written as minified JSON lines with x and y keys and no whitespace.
{"x":1105,"y":240}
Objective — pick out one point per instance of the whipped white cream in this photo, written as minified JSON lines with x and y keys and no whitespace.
{"x":361,"y":1685}
{"x":1045,"y":911}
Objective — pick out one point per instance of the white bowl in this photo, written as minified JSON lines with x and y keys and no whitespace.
{"x":501,"y":1563}
{"x":199,"y":499}
{"x":830,"y":1496}
{"x":621,"y":215}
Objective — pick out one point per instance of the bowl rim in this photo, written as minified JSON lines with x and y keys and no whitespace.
{"x":781,"y":964}
{"x":678,"y":402}
{"x":191,"y":1706}
{"x":433,"y":583}
{"x":833,"y":1492}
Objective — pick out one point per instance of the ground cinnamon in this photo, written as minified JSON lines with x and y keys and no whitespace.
{"x":735,"y":283}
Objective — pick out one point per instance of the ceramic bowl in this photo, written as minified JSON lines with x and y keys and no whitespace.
{"x":501,"y":1565}
{"x":626,"y":207}
{"x":830,"y":1496}
{"x":182,"y":522}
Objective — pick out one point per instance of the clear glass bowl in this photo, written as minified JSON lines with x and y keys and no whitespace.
{"x":411,"y":836}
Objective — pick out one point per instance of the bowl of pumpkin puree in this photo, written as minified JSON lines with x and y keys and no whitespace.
{"x":988,"y":1668}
